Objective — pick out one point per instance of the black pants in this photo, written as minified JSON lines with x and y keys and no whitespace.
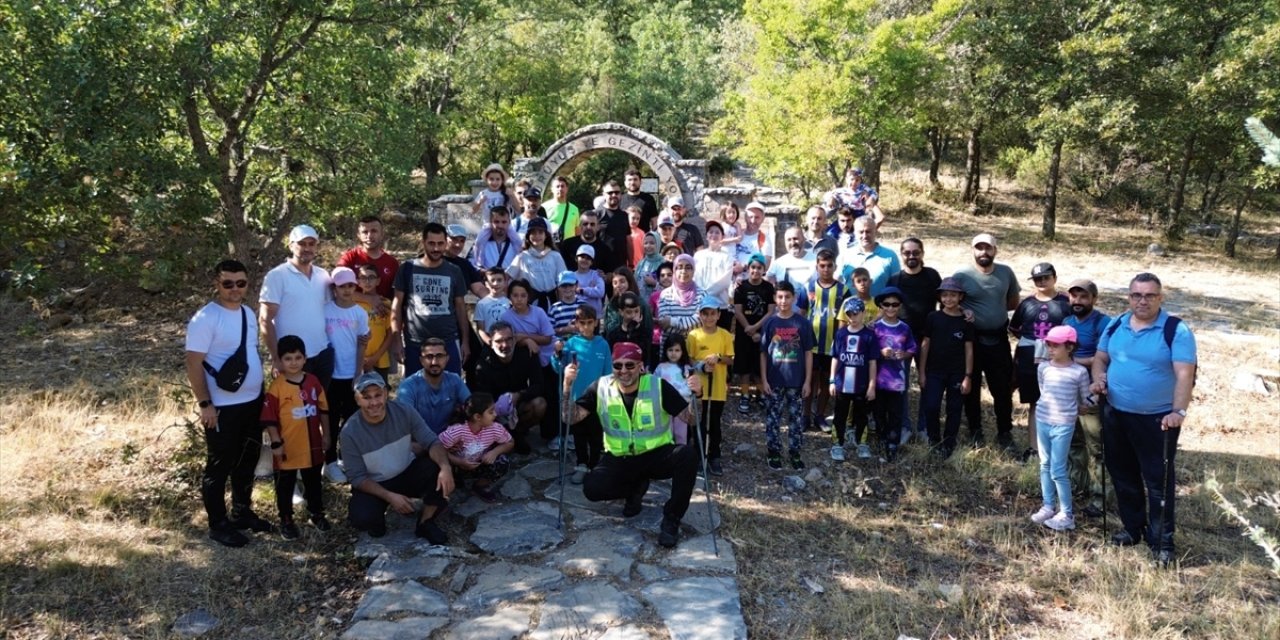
{"x":935,"y":386}
{"x":367,"y":512}
{"x":1135,"y":450}
{"x":342,"y":405}
{"x":550,"y":391}
{"x":857,"y":405}
{"x":709,"y":418}
{"x":618,"y":477}
{"x":233,"y":450}
{"x":889,"y":416}
{"x":995,"y":364}
{"x":588,"y":440}
{"x":321,"y":366}
{"x":287,"y":479}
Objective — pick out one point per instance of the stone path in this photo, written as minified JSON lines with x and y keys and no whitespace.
{"x":510,"y":572}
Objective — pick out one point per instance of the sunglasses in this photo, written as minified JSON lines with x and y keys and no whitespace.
{"x":625,"y":366}
{"x":912,"y":254}
{"x":613,"y":193}
{"x":890,"y":305}
{"x":233,"y":284}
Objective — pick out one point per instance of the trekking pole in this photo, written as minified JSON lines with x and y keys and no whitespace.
{"x":1102,"y":439}
{"x":702,"y":454}
{"x":1165,"y":488}
{"x":564,"y":408}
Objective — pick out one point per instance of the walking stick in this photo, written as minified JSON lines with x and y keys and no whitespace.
{"x":564,"y":421}
{"x":1103,"y":419}
{"x":702,"y":455}
{"x":1165,"y":488}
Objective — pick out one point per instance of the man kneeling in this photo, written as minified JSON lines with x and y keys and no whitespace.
{"x":391,"y":457}
{"x":636,"y":410}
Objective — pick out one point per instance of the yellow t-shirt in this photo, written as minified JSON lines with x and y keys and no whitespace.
{"x":379,"y":328}
{"x":701,"y":344}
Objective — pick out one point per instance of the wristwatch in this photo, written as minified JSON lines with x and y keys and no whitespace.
{"x":204,"y":403}
{"x":1181,"y":412}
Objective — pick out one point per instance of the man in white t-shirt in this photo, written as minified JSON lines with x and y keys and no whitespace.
{"x":756,"y":238}
{"x":795,"y":266}
{"x":232,"y":431}
{"x":292,"y":303}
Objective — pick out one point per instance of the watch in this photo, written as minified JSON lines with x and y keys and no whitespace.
{"x":1181,"y":412}
{"x":204,"y":403}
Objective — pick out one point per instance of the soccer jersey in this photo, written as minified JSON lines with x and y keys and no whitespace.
{"x":702,"y":343}
{"x":854,"y":352}
{"x":295,"y":408}
{"x":824,"y":313}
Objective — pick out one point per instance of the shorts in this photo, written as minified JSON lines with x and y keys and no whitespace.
{"x":1025,"y":371}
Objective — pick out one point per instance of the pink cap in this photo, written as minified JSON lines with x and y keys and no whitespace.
{"x":1061,"y":334}
{"x":343,"y":275}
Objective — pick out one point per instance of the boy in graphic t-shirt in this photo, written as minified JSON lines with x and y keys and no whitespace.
{"x":786,"y":358}
{"x":897,"y":347}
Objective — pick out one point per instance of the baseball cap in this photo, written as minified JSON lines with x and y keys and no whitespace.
{"x":302,"y":232}
{"x":756,"y":257}
{"x":857,"y":171}
{"x":1043,"y":269}
{"x":567,"y":278}
{"x":369,"y":379}
{"x":536,"y":223}
{"x":457,"y":231}
{"x":665,"y":218}
{"x":708,"y":302}
{"x":675,"y":201}
{"x":950,"y":284}
{"x":342,"y":275}
{"x":587,"y":250}
{"x":1083,"y":283}
{"x":853,"y":305}
{"x":983,"y":238}
{"x":532,"y":193}
{"x":716,"y":223}
{"x":888,"y":292}
{"x":756,"y":205}
{"x":1061,"y":334}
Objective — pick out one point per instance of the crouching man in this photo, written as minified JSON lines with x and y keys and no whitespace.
{"x":636,"y":410}
{"x":391,"y":457}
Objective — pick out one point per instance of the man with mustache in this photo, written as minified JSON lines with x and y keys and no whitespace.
{"x":1086,"y":445}
{"x":919,"y":286}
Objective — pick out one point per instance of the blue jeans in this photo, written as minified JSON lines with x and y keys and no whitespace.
{"x":1055,"y":443}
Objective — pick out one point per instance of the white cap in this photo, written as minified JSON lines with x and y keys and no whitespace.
{"x":756,"y":205}
{"x":588,"y":251}
{"x":983,"y":238}
{"x":302,"y":232}
{"x":675,"y":201}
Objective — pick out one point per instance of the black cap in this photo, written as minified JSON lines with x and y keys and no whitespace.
{"x":1043,"y":269}
{"x":532,"y":193}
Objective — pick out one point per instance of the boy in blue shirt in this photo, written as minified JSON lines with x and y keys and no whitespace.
{"x":786,"y":358}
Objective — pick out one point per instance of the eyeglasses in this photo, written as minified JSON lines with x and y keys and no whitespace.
{"x":613,"y":193}
{"x":625,"y":366}
{"x":890,"y":305}
{"x":434,"y":356}
{"x":912,"y":254}
{"x":1144,"y":297}
{"x":233,"y":284}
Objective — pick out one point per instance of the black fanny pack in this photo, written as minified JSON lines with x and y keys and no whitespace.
{"x":234,"y":371}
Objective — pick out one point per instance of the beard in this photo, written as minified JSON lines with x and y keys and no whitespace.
{"x":1080,"y":310}
{"x":913,"y":263}
{"x":984,"y":260}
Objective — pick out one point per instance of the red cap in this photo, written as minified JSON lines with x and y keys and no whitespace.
{"x":627,"y":351}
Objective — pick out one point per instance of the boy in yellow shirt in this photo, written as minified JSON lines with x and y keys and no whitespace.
{"x":377,"y":356}
{"x":711,"y":350}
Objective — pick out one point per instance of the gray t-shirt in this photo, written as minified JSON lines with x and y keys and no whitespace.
{"x":429,"y":294}
{"x":382,"y":451}
{"x":986,"y":295}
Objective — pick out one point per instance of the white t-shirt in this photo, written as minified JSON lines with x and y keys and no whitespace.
{"x":795,"y":270}
{"x":344,"y":328}
{"x":489,"y":310}
{"x":301,"y":303}
{"x":215,"y":331}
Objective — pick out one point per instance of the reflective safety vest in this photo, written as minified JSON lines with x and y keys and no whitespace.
{"x":646,"y":428}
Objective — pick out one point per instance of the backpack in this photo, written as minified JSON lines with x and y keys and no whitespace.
{"x":1170,"y":330}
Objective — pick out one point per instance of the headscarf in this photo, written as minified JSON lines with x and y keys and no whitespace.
{"x":688,"y":292}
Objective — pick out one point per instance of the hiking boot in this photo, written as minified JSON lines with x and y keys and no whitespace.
{"x":1043,"y":514}
{"x":224,"y":534}
{"x":320,"y":522}
{"x":775,"y":461}
{"x":579,"y":474}
{"x":1091,"y":511}
{"x":669,"y":533}
{"x":431,"y":531}
{"x":635,"y":501}
{"x":289,"y":530}
{"x":715,"y":467}
{"x":796,"y":462}
{"x":744,"y":405}
{"x":1162,"y":558}
{"x":1125,"y":539}
{"x":864,"y":451}
{"x":1061,"y":522}
{"x":250,"y":520}
{"x":837,"y":454}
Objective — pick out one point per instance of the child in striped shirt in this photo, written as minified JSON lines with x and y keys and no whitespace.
{"x":477,"y":448}
{"x":1064,"y":394}
{"x":565,"y":308}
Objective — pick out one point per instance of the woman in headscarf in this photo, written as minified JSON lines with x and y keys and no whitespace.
{"x":678,"y":304}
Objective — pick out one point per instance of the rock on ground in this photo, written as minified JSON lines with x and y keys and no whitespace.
{"x":698,"y":608}
{"x":505,"y":581}
{"x":414,"y":628}
{"x":516,"y":529}
{"x":583,"y":611}
{"x":195,"y":623}
{"x":385,"y":599}
{"x":599,"y":552}
{"x":503,"y":624}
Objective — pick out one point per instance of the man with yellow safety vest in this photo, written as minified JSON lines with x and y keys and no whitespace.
{"x":636,"y":410}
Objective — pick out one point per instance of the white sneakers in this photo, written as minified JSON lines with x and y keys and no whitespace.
{"x":837,"y":453}
{"x":333,"y":471}
{"x":579,"y":474}
{"x":1058,"y":521}
{"x":1042,"y":515}
{"x":864,"y":451}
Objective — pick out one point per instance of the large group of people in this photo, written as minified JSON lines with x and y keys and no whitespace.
{"x":622,"y":333}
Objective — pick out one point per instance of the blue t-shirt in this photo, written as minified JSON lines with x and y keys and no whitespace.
{"x":854,"y":352}
{"x":1140,"y":376}
{"x":436,"y":406}
{"x":785,"y":341}
{"x":1088,"y":332}
{"x":595,"y":361}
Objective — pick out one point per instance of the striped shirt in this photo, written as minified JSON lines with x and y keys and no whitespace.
{"x":469,"y":445}
{"x":562,"y":313}
{"x":824,"y":313}
{"x":1062,"y":391}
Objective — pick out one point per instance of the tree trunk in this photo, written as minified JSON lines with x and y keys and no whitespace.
{"x":1213,"y":189}
{"x":1175,"y":229}
{"x":429,"y":160}
{"x":871,"y":172}
{"x":1048,"y":226}
{"x":934,"y":135}
{"x":1234,"y":233}
{"x":973,"y":168}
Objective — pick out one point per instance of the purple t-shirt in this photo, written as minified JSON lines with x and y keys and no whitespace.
{"x":891,"y":375}
{"x":533,"y":322}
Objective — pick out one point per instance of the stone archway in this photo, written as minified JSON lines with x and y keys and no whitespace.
{"x":676,"y":175}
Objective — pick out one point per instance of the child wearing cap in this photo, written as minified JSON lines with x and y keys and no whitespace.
{"x":711,"y":350}
{"x":538,"y":263}
{"x":347,"y":325}
{"x":1064,"y":389}
{"x":295,"y":414}
{"x":590,"y":282}
{"x":946,"y":365}
{"x":634,"y":325}
{"x":786,"y":360}
{"x":897,"y":347}
{"x":1039,"y":312}
{"x":564,"y":309}
{"x":853,"y":378}
{"x":752,"y":303}
{"x":593,"y":355}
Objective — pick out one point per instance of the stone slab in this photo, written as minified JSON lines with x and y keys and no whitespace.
{"x":702,"y":608}
{"x":503,"y":581}
{"x":599,"y":552}
{"x":573,"y":497}
{"x":584,"y":611}
{"x":516,"y":487}
{"x":625,"y":632}
{"x":195,"y":623}
{"x":414,"y":628}
{"x":503,"y":624}
{"x":515,"y":530}
{"x":698,"y":554}
{"x":542,"y":470}
{"x":380,"y":601}
{"x":472,"y":506}
{"x":387,"y":568}
{"x":650,"y":573}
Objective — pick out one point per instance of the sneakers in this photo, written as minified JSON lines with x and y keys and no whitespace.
{"x":431,"y":531}
{"x":554,"y":445}
{"x":1125,"y":539}
{"x":1061,"y":522}
{"x":744,"y":405}
{"x":1162,"y":558}
{"x":1043,"y":514}
{"x":811,"y":424}
{"x":824,"y":425}
{"x":905,"y":438}
{"x":579,"y":474}
{"x":796,"y":462}
{"x":250,"y":520}
{"x":226,"y":535}
{"x":864,"y":451}
{"x":320,"y":522}
{"x":635,"y":501}
{"x":289,"y":530}
{"x":1092,"y":511}
{"x":333,"y":471}
{"x":837,"y":454}
{"x":298,"y":500}
{"x":715,"y":467}
{"x":775,"y":461}
{"x":669,"y":533}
